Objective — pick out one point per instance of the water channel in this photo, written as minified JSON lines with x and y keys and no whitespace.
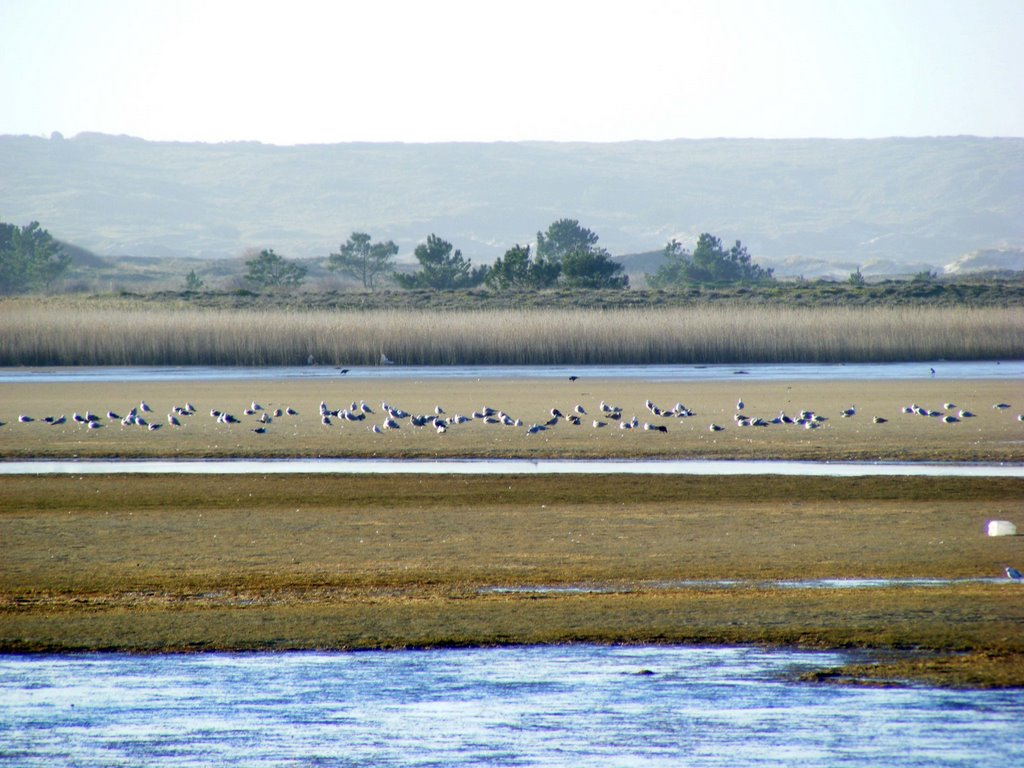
{"x":544,"y":706}
{"x":503,"y":467}
{"x":938,"y":370}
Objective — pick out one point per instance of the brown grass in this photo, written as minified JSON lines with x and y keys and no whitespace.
{"x":128,"y":333}
{"x":994,"y":435}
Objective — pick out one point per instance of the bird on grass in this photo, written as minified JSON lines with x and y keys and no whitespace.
{"x":1013,"y":573}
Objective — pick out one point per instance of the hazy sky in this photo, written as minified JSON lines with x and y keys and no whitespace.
{"x":481,"y":70}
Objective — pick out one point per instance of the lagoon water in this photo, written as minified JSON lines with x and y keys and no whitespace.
{"x":547,"y":706}
{"x":958,"y":369}
{"x":504,"y":467}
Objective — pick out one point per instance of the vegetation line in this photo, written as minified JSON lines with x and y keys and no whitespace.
{"x":127,"y":333}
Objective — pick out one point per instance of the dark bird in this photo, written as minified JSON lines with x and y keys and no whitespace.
{"x":1013,"y":573}
{"x":573,"y":378}
{"x":343,"y":371}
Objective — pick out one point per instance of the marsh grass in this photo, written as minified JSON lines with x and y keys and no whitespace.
{"x":273,"y":562}
{"x":131,"y":333}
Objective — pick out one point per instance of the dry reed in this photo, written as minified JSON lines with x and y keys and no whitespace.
{"x":35,"y":333}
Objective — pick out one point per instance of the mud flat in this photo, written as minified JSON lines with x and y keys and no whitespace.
{"x":991,"y":435}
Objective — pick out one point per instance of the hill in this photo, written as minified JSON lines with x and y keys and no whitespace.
{"x":805,"y":207}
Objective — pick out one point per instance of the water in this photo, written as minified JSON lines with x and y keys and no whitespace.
{"x":987,"y":369}
{"x":549,"y":706}
{"x":503,"y":467}
{"x":709,"y":584}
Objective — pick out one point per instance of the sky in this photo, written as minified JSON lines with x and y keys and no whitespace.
{"x":302,"y":72}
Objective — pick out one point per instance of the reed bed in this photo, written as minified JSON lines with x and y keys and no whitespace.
{"x":37,"y":333}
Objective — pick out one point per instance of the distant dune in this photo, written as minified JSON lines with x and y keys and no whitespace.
{"x":805,"y":207}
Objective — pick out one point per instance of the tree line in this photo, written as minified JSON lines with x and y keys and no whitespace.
{"x":566,"y":254}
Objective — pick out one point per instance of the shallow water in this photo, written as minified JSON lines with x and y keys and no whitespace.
{"x":548,"y":706}
{"x":748,"y":584}
{"x":988,"y":369}
{"x":503,"y":466}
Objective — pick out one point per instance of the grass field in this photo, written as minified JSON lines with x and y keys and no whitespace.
{"x":279,"y":562}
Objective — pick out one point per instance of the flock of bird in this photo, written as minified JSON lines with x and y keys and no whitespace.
{"x":389,"y":418}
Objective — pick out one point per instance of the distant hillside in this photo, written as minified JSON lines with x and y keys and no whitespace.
{"x":809,"y":207}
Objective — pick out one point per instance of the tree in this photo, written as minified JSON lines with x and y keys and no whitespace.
{"x":29,"y":258}
{"x":574,"y":249}
{"x":709,"y":263}
{"x":856,"y":278}
{"x":592,"y":268}
{"x":193,"y":282}
{"x":674,"y":269}
{"x":562,"y":237}
{"x":363,"y":260}
{"x":268,"y":270}
{"x":440,"y":268}
{"x":517,"y":270}
{"x":925,"y":276}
